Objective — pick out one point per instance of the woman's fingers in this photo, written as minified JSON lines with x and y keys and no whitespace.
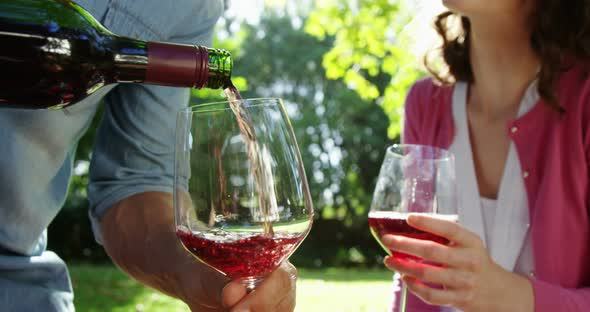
{"x":431,"y":274}
{"x":452,"y":231}
{"x":432,"y":251}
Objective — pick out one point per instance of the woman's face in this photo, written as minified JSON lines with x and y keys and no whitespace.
{"x":489,"y":8}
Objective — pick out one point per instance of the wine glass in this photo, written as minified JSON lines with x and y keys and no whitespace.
{"x":413,"y":179}
{"x":241,"y":199}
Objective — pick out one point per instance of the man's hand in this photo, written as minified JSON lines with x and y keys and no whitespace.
{"x":139,"y":236}
{"x":275,"y":294}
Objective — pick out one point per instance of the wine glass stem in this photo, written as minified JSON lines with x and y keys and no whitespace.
{"x":403,"y":298}
{"x":251,"y":283}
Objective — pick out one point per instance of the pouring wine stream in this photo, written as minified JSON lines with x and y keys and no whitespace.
{"x":259,"y":158}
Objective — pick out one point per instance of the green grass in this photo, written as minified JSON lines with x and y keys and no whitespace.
{"x":104,"y":288}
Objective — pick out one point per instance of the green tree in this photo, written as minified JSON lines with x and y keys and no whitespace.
{"x":370,"y":52}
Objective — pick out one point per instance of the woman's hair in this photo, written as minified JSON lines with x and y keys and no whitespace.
{"x":560,"y":33}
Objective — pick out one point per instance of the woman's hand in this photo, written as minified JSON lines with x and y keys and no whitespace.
{"x":470,"y":279}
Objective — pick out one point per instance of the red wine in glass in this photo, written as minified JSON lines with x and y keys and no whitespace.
{"x":395,"y":223}
{"x":240,"y":255}
{"x":242,"y":204}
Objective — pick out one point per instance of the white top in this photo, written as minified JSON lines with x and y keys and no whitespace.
{"x":502,"y":224}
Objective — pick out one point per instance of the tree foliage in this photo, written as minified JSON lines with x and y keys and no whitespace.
{"x":370,"y":51}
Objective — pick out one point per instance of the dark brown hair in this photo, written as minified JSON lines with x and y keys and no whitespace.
{"x":560,"y":34}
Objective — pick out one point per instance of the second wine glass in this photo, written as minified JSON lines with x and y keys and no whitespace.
{"x":240,"y":208}
{"x":413,"y":179}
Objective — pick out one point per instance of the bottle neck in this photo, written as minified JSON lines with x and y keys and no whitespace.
{"x":177,"y":65}
{"x":220,"y":67}
{"x":170,"y":64}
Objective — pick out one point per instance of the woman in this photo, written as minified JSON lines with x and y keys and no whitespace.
{"x":515,"y":110}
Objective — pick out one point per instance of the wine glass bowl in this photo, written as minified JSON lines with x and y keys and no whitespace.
{"x":241,"y":199}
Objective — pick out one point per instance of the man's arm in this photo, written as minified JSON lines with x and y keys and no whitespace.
{"x":138,"y":234}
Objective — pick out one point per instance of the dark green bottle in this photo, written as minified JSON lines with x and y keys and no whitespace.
{"x":53,"y":54}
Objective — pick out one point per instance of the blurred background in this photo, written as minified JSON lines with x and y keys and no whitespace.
{"x":343,"y":68}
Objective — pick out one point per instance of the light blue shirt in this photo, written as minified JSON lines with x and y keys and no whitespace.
{"x":133,"y":152}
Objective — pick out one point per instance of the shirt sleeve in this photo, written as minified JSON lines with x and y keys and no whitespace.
{"x":134,"y":146}
{"x":550,"y":297}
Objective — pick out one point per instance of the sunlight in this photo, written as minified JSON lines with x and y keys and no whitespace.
{"x":248,"y":11}
{"x":420,"y":33}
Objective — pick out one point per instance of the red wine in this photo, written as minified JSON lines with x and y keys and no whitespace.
{"x":240,"y":255}
{"x":386,"y":222}
{"x":233,"y":94}
{"x":260,"y":161}
{"x":54,"y":54}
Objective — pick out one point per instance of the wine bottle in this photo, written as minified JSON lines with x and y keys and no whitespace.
{"x":54,"y":54}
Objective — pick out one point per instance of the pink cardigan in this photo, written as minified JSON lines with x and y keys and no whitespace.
{"x":554,"y":149}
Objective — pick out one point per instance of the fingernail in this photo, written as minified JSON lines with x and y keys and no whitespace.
{"x":388,"y":261}
{"x":240,"y":309}
{"x":413,"y":218}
